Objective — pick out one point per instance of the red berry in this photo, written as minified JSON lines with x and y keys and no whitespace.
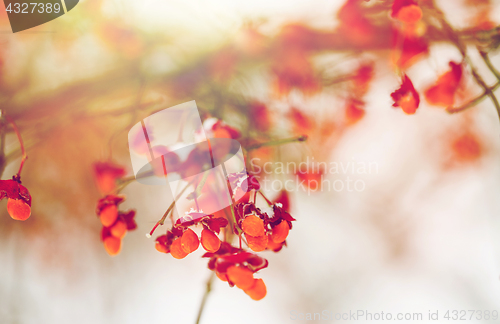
{"x":253,"y":225}
{"x":210,"y":241}
{"x":258,"y":290}
{"x":241,"y":277}
{"x":189,"y":241}
{"x":119,"y":229}
{"x":176,"y":249}
{"x":18,"y":209}
{"x":108,"y":215}
{"x":112,"y":245}
{"x":280,"y":232}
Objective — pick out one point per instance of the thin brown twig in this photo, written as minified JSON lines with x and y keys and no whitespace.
{"x":483,"y":96}
{"x":21,"y":143}
{"x":125,"y":182}
{"x":481,"y":35}
{"x":473,"y":102}
{"x":125,"y":110}
{"x":265,"y":198}
{"x":454,"y":37}
{"x":3,"y":160}
{"x":199,"y":187}
{"x":133,"y":109}
{"x":490,"y":66}
{"x":301,"y":138}
{"x":483,"y":85}
{"x":205,"y":296}
{"x":235,"y":223}
{"x":495,"y":72}
{"x":162,"y":220}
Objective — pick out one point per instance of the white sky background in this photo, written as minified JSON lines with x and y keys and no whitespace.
{"x":416,"y":239}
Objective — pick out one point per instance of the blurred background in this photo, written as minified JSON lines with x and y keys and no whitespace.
{"x":422,"y":235}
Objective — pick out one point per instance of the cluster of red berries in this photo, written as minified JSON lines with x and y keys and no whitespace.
{"x":181,"y":240}
{"x":19,"y":198}
{"x":243,"y":221}
{"x":259,"y":230}
{"x":237,"y":267}
{"x":116,"y":223}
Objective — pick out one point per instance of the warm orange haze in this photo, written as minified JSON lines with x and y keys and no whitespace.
{"x":340,"y":163}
